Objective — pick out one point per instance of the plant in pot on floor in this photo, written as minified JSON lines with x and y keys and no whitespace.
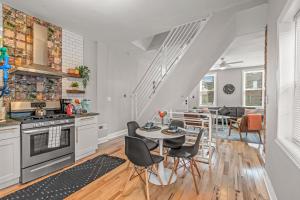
{"x":84,"y":72}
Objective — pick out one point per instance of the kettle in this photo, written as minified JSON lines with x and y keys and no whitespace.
{"x":40,"y":112}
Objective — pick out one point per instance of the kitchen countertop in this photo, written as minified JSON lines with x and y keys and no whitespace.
{"x":9,"y":122}
{"x":85,"y":115}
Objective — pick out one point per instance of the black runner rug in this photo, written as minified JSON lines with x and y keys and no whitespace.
{"x":61,"y":185}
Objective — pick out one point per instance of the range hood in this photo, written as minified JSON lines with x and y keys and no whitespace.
{"x":40,"y":56}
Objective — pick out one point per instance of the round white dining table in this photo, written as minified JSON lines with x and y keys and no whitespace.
{"x":164,"y":173}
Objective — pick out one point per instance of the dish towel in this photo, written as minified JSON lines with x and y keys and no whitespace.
{"x":50,"y":137}
{"x":54,"y":136}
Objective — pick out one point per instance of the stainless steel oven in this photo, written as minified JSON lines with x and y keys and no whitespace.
{"x":38,"y":158}
{"x":35,"y":148}
{"x":47,"y":142}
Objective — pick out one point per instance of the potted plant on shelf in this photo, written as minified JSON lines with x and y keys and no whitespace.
{"x":84,"y":72}
{"x":75,"y":85}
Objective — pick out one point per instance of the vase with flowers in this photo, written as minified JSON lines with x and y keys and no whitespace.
{"x":162,"y":114}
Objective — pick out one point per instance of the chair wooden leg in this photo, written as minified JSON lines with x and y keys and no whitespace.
{"x":173,"y":170}
{"x":128,"y":165}
{"x":184,"y":167}
{"x":156,"y":172}
{"x":259,"y":134}
{"x":246,"y":134}
{"x":194,"y":178}
{"x":128,"y":179}
{"x":147,"y":184}
{"x":240,"y":135}
{"x":197,"y":169}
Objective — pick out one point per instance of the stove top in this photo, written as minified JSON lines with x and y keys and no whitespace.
{"x":33,"y":119}
{"x":45,"y":121}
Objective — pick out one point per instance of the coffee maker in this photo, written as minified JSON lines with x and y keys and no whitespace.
{"x":64,"y":103}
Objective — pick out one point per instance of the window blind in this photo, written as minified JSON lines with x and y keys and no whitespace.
{"x":297,"y":83}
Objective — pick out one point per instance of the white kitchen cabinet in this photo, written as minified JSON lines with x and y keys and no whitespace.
{"x":86,"y":136}
{"x":9,"y":155}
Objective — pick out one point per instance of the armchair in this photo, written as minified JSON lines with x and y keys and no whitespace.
{"x":251,"y":123}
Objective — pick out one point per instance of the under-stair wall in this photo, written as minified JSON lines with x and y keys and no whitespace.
{"x":206,"y":48}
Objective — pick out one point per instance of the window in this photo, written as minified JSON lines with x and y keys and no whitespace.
{"x":208,"y":90}
{"x":253,"y":84}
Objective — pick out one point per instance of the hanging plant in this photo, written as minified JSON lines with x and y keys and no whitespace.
{"x":84,"y":74}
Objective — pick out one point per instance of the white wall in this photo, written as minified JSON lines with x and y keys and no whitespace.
{"x":223,"y":77}
{"x":90,"y":60}
{"x":284,"y":174}
{"x":117,"y":76}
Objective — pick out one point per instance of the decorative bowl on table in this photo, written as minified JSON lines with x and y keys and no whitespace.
{"x":149,"y":126}
{"x":171,"y":131}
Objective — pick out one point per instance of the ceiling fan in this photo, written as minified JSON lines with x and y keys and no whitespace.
{"x":224,"y":64}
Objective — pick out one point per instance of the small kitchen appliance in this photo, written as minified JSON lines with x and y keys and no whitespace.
{"x":47,"y":141}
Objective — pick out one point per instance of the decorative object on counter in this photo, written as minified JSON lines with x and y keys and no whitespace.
{"x":69,"y":109}
{"x":75,"y":85}
{"x":77,"y":108}
{"x":162,"y":114}
{"x":86,"y":105}
{"x":84,"y":72}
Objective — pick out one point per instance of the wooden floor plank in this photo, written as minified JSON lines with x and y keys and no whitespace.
{"x":236,"y":174}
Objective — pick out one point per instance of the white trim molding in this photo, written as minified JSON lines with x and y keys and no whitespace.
{"x":291,"y":149}
{"x":270,"y":189}
{"x":112,"y":136}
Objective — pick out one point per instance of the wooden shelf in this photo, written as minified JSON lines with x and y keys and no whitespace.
{"x":75,"y":91}
{"x":73,"y":75}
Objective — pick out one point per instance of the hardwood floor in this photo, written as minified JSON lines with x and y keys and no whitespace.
{"x":236,"y":174}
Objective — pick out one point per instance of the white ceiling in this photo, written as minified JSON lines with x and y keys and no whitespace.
{"x":115,"y":20}
{"x":247,"y":48}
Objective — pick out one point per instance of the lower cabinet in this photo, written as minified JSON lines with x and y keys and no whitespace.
{"x":86,"y":136}
{"x":9,"y":156}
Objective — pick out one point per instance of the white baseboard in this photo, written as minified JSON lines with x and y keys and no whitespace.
{"x":112,"y":136}
{"x":269,"y":186}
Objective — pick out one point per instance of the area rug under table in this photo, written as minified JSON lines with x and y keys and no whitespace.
{"x":63,"y":184}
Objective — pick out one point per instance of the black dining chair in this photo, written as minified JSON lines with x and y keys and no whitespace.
{"x":175,"y":142}
{"x":139,"y":155}
{"x":132,"y":127}
{"x":187,"y":153}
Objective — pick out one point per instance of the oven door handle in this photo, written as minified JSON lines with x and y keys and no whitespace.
{"x":45,"y":129}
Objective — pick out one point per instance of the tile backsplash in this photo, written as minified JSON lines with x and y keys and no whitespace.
{"x":30,"y":88}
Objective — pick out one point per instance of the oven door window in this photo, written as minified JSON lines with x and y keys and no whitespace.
{"x":45,"y":142}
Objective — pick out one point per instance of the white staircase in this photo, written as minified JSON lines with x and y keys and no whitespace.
{"x":170,"y":52}
{"x":186,"y":55}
